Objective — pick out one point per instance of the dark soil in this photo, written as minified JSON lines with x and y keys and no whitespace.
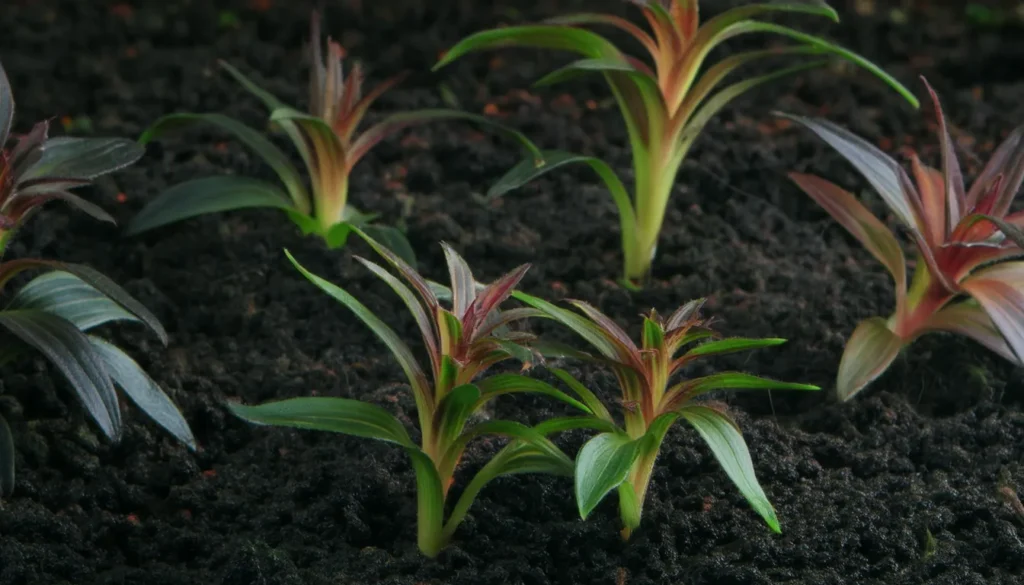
{"x":858,"y":486}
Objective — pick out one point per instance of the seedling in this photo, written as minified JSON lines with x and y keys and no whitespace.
{"x":54,"y":312}
{"x":665,"y":104}
{"x":327,"y":140}
{"x":961,"y":280}
{"x":651,"y":402}
{"x":462,"y":343}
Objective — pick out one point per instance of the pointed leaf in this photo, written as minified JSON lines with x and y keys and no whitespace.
{"x":869,"y":352}
{"x":602,"y":464}
{"x":463,"y":285}
{"x":723,"y":436}
{"x":143,"y":391}
{"x":586,"y":395}
{"x":207,"y":195}
{"x":608,"y":326}
{"x":644,"y":81}
{"x":271,"y":154}
{"x":500,"y":384}
{"x":737,"y":381}
{"x":423,"y":320}
{"x":269,"y":101}
{"x":874,"y":235}
{"x":583,"y":327}
{"x":732,"y":345}
{"x":998,"y":289}
{"x":956,"y":196}
{"x":7,"y":453}
{"x":1007,"y":162}
{"x":393,"y":239}
{"x":337,"y":415}
{"x":616,"y":21}
{"x":487,"y":301}
{"x":685,"y":313}
{"x":70,"y":351}
{"x":83,"y":158}
{"x":91,"y":209}
{"x":562,"y":38}
{"x":399,"y":349}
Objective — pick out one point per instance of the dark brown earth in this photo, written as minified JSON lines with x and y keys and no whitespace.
{"x":858,"y":486}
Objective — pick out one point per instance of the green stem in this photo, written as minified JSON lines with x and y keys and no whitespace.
{"x":653,"y":189}
{"x":331,"y":206}
{"x":634,"y":491}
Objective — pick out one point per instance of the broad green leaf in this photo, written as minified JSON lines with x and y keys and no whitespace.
{"x":869,"y":352}
{"x":430,"y":496}
{"x":732,"y":345}
{"x":874,"y":235}
{"x":71,"y":352}
{"x":6,"y":438}
{"x":394,"y":239}
{"x":570,"y":423}
{"x":143,"y":391}
{"x":271,"y":154}
{"x":83,"y":158}
{"x":602,"y":464}
{"x":399,"y":349}
{"x":500,"y":384}
{"x":69,"y":297}
{"x":337,"y":415}
{"x":337,"y":236}
{"x":722,"y":435}
{"x":453,"y":411}
{"x":502,"y":428}
{"x":207,"y":195}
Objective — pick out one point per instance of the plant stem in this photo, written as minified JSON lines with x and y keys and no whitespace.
{"x":331,"y":202}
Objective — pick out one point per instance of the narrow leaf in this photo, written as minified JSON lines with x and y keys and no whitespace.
{"x":71,"y":352}
{"x":732,"y":345}
{"x":500,"y":384}
{"x":869,"y":352}
{"x":143,"y":391}
{"x":586,"y":395}
{"x":737,"y":381}
{"x":337,"y":415}
{"x":956,"y":196}
{"x":463,"y":284}
{"x":722,"y":435}
{"x":69,"y":297}
{"x":207,"y":195}
{"x":602,"y":464}
{"x":6,"y":118}
{"x":562,"y":38}
{"x":581,"y":326}
{"x":269,"y":101}
{"x":393,"y":239}
{"x":83,"y":158}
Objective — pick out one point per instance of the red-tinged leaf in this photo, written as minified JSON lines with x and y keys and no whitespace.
{"x":869,"y":352}
{"x":932,"y":191}
{"x":316,"y":64}
{"x":732,"y":345}
{"x":998,"y":289}
{"x":490,"y":298}
{"x":6,"y":109}
{"x":423,"y":319}
{"x":666,"y":30}
{"x":586,"y":395}
{"x":608,"y":325}
{"x":861,"y":223}
{"x":29,"y":148}
{"x":347,"y":127}
{"x":586,"y":329}
{"x":1007,"y":162}
{"x":590,"y":18}
{"x":407,"y":272}
{"x":463,"y":284}
{"x":205,"y":196}
{"x":685,"y":314}
{"x":969,"y":319}
{"x":275,"y":158}
{"x":325,"y":157}
{"x":953,"y":180}
{"x":686,"y":13}
{"x":396,"y":122}
{"x":403,"y":355}
{"x":22,"y":205}
{"x":498,"y":319}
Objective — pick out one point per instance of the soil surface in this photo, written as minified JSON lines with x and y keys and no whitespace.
{"x":899,"y":486}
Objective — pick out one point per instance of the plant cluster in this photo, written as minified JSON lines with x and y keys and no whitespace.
{"x":965,"y":279}
{"x":53,"y":314}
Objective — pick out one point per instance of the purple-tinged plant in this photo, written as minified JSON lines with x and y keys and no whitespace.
{"x":961,"y":281}
{"x":665,"y":104}
{"x":462,"y":342}
{"x":652,"y":400}
{"x":53,"y":313}
{"x":328,"y":140}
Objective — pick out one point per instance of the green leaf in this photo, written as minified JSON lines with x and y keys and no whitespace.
{"x":602,"y":464}
{"x":585,"y":66}
{"x":423,"y":320}
{"x":83,"y":158}
{"x":500,"y":384}
{"x":429,"y":504}
{"x":586,"y":329}
{"x":454,"y":409}
{"x":570,"y":423}
{"x":271,"y":102}
{"x":69,"y":297}
{"x":207,"y":195}
{"x":393,"y":239}
{"x":732,"y":345}
{"x":869,"y":352}
{"x":589,"y":398}
{"x":71,"y":352}
{"x":562,"y":38}
{"x":271,"y":154}
{"x":6,"y":107}
{"x":6,"y":438}
{"x":722,"y":434}
{"x":337,"y":415}
{"x":143,"y":391}
{"x":399,"y":349}
{"x":737,"y":381}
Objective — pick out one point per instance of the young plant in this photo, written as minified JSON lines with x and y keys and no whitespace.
{"x":54,"y":313}
{"x":462,"y":343}
{"x":327,"y":140}
{"x":665,"y":104}
{"x":961,"y":281}
{"x":623,"y":458}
